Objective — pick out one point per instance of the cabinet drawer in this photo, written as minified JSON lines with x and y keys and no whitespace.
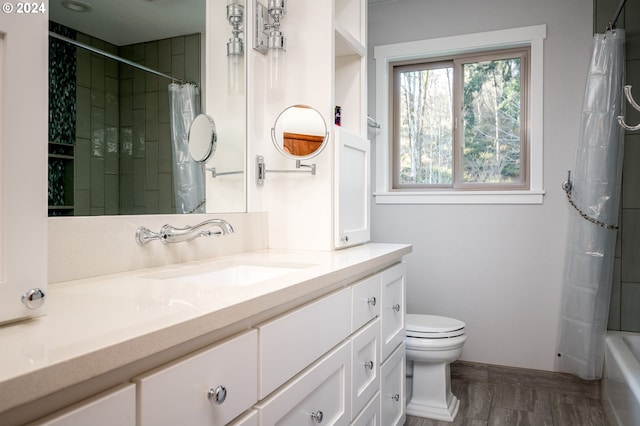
{"x":322,"y":390}
{"x":365,"y":367}
{"x":114,"y":407}
{"x":392,"y":308}
{"x":249,"y":419}
{"x":180,"y":393}
{"x":392,"y":375}
{"x":370,"y":415}
{"x":365,"y":301}
{"x":293,"y":341}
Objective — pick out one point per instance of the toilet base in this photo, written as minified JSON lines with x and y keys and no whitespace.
{"x":431,"y":395}
{"x":447,"y":413}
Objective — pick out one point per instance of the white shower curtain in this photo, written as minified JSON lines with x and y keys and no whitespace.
{"x":592,"y":227}
{"x":188,"y":175}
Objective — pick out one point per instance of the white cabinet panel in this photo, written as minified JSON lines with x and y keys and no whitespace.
{"x":322,"y":391}
{"x":370,"y":415}
{"x":352,"y":189}
{"x":293,"y":341}
{"x":365,"y":301}
{"x":392,"y":388}
{"x":365,"y":370}
{"x":186,"y":391}
{"x":393,"y":308}
{"x":115,"y":407}
{"x":23,"y":162}
{"x":249,"y":419}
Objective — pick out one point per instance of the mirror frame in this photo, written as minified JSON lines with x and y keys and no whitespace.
{"x":279,"y":145}
{"x":203,"y":131}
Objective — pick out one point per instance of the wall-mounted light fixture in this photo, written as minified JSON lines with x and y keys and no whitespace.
{"x":269,"y":40}
{"x":235,"y":47}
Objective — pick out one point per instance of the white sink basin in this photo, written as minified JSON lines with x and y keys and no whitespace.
{"x":228,"y":274}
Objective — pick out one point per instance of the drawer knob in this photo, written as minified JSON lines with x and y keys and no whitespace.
{"x":371,"y":301}
{"x":33,"y":299}
{"x":317,"y":416}
{"x":396,"y":397}
{"x":368,"y":365}
{"x":217,"y":395}
{"x":396,"y":307}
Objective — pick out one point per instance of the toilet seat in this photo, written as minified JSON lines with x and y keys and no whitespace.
{"x":433,"y":326}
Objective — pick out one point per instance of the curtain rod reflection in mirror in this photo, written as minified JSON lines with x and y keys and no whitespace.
{"x":114,"y":57}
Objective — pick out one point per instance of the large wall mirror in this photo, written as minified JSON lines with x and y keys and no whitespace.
{"x":127,"y":78}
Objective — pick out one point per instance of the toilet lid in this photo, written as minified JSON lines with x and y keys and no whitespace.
{"x":433,"y":326}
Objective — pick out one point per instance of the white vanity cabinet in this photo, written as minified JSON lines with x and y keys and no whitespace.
{"x":352,"y":149}
{"x":318,"y":395}
{"x":23,"y":155}
{"x":248,"y":419}
{"x":393,"y":308}
{"x":211,"y":387}
{"x":365,"y":301}
{"x":370,"y":415}
{"x":365,"y":370}
{"x":113,"y":407}
{"x":393,"y":333}
{"x":352,"y":192}
{"x":292,"y":341}
{"x":314,"y":356}
{"x":392,"y":406}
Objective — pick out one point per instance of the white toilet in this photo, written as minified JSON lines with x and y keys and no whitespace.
{"x":433,"y":343}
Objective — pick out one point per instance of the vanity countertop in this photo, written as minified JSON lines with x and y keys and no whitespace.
{"x":97,"y":325}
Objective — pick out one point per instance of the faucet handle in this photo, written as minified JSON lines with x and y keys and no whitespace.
{"x":144,"y":235}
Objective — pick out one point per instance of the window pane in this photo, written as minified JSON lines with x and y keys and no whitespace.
{"x":491,"y":111}
{"x":426,"y":136}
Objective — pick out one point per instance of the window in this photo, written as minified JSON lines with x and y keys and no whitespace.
{"x":459,"y":122}
{"x":463,"y":119}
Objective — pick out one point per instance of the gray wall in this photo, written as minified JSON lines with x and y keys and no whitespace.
{"x":499,"y":268}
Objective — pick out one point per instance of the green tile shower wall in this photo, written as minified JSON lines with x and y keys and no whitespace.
{"x":122,"y":137}
{"x":624,"y":312}
{"x":146,"y":175}
{"x":62,"y":115}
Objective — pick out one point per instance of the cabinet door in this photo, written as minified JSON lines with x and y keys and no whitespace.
{"x":249,"y":419}
{"x":23,"y":162}
{"x":291,"y":342}
{"x":319,"y":395}
{"x":352,"y":189}
{"x":365,"y":301}
{"x":392,"y":308}
{"x":365,"y":367}
{"x":115,"y":407}
{"x":392,"y":405}
{"x":370,"y":415}
{"x":211,"y":387}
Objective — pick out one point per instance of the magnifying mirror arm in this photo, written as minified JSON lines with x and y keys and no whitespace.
{"x":261,"y":169}
{"x":311,"y":166}
{"x":216,"y":173}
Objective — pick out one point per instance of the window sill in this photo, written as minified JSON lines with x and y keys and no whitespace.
{"x":460,"y":197}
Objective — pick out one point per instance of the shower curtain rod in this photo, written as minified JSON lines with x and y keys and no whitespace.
{"x":614,"y":19}
{"x":114,"y":57}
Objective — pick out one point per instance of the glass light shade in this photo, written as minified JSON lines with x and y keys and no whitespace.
{"x":235,"y":74}
{"x":277,"y":66}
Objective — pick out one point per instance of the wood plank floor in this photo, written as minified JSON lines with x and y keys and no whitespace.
{"x":496,"y":396}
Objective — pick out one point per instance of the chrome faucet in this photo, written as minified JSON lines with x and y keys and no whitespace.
{"x":171,"y":234}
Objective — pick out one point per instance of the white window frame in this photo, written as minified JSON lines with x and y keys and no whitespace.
{"x":385,"y":55}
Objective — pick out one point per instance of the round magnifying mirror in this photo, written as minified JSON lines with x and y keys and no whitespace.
{"x":202,"y":138}
{"x":300,"y":132}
